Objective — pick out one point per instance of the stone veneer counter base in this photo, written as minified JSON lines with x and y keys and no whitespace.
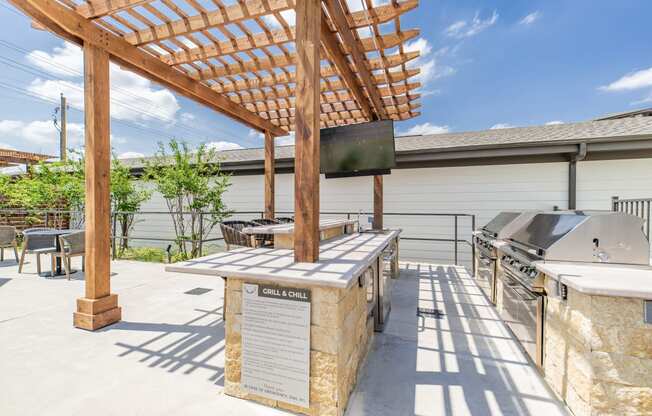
{"x":341,"y":326}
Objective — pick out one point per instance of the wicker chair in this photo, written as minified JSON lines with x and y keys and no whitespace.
{"x":233,"y":235}
{"x":8,"y":240}
{"x":72,"y":245}
{"x":285,"y":220}
{"x":36,"y":244}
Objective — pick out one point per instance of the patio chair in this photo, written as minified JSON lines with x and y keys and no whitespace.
{"x":33,"y":243}
{"x":285,"y":220}
{"x":233,"y":235}
{"x":8,"y":240}
{"x":72,"y":245}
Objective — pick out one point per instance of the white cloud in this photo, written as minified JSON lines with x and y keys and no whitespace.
{"x":285,"y":140}
{"x":501,"y":126}
{"x":423,"y":129}
{"x":41,"y":136}
{"x":255,"y":134}
{"x":554,"y":123}
{"x":465,"y":29}
{"x":530,"y":18}
{"x":131,"y":155}
{"x":133,"y":97}
{"x":632,"y":81}
{"x":222,"y":145}
{"x":431,"y":70}
{"x":187,"y":117}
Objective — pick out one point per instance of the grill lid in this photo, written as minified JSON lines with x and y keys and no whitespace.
{"x":585,"y":236}
{"x":494,"y":226}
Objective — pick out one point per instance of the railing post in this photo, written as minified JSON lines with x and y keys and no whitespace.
{"x":614,"y":203}
{"x":113,"y":227}
{"x":455,"y":240}
{"x":201,"y":233}
{"x":473,"y":245}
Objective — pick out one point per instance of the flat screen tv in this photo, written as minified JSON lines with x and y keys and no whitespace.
{"x":358,"y":149}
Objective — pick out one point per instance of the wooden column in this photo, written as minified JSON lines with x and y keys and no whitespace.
{"x":306,"y":159}
{"x":378,"y":202}
{"x":99,"y":307}
{"x":269,"y":176}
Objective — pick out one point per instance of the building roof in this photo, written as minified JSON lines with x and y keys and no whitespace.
{"x":444,"y":145}
{"x":643,"y":112}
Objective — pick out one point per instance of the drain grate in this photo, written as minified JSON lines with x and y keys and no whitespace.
{"x":435,"y":313}
{"x":198,"y":291}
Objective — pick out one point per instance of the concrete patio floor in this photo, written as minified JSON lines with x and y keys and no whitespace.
{"x":167,"y":354}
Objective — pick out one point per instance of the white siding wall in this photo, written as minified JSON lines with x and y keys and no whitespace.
{"x":480,"y":190}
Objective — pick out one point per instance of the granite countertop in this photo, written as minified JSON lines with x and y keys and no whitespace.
{"x":341,"y":261}
{"x":289,"y":228}
{"x":617,"y":280}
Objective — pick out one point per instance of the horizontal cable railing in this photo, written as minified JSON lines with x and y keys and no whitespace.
{"x":466,"y":222}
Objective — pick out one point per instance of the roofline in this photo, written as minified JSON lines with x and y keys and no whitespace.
{"x":637,"y":146}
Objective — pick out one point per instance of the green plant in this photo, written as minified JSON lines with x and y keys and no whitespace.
{"x":192,"y":185}
{"x":147,"y":254}
{"x":126,"y":199}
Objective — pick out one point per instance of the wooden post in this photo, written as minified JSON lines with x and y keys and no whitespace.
{"x":99,"y":307}
{"x":269,"y":176}
{"x":306,"y":159}
{"x":378,"y":202}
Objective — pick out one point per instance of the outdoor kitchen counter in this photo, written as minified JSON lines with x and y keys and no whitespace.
{"x":597,"y":279}
{"x":289,"y":228}
{"x":341,"y":261}
{"x":282,"y":354}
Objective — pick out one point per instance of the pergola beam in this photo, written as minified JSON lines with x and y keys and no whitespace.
{"x":253,"y":96}
{"x":252,"y":9}
{"x":280,"y":61}
{"x":338,"y":17}
{"x":290,"y":78}
{"x":331,"y":45}
{"x":275,"y":38}
{"x":72,"y":26}
{"x":306,"y":159}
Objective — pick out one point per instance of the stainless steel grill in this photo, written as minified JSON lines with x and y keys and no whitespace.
{"x":574,"y":236}
{"x":571,"y":236}
{"x":498,"y":228}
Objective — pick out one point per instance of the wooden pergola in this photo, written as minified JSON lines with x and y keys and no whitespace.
{"x":10,"y":157}
{"x":245,"y":60}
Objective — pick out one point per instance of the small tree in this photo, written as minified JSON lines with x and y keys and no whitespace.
{"x":126,"y":200}
{"x":191,"y":183}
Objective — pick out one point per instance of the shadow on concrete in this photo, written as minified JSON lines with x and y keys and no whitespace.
{"x":462,"y":362}
{"x":188,"y":347}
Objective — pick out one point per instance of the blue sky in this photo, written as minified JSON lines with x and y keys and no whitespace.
{"x":484,"y":64}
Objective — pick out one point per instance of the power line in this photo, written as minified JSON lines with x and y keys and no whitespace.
{"x":73,"y":72}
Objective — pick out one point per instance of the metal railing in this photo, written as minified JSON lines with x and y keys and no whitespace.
{"x":456,"y":223}
{"x":641,"y":207}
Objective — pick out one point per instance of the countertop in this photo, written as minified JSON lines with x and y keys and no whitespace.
{"x":289,"y":228}
{"x":341,"y":261}
{"x":617,"y":280}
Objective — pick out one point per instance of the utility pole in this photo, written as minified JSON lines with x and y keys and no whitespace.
{"x":63,"y":137}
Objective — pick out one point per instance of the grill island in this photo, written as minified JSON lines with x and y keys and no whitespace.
{"x":575,"y":287}
{"x":345,"y":297}
{"x":485,"y":241}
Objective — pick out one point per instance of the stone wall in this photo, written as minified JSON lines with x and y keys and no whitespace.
{"x":598,"y":353}
{"x":340,"y":336}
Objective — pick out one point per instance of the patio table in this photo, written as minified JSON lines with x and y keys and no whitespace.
{"x":284,"y":233}
{"x":55,"y":235}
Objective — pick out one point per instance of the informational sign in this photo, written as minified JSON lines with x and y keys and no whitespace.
{"x":276,"y":343}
